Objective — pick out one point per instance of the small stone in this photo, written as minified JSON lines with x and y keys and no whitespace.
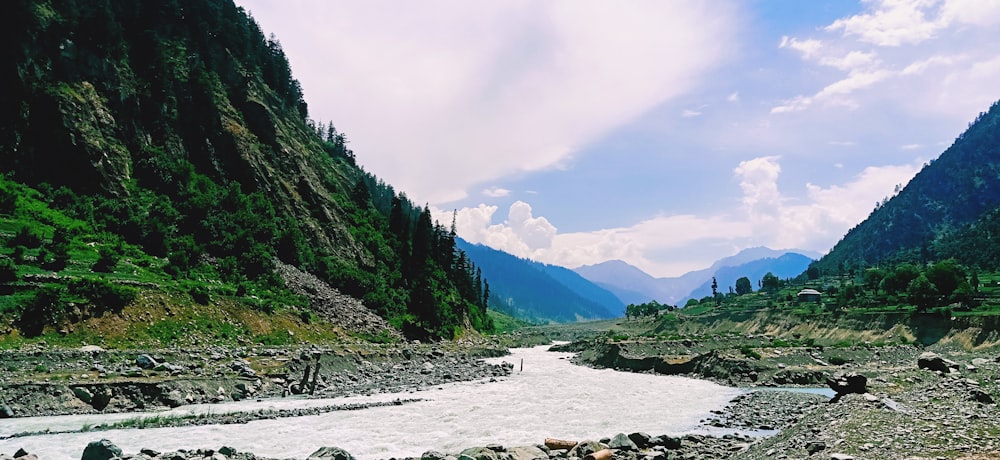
{"x":841,"y":457}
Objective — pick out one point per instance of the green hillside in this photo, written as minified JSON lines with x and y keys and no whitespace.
{"x":169,"y":142}
{"x":936,"y":216}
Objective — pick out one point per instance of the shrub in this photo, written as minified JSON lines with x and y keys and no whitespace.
{"x":8,"y":271}
{"x":200,"y":294}
{"x":103,"y":293}
{"x":838,"y":360}
{"x":749,"y":352}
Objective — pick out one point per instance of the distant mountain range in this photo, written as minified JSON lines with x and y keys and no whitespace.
{"x":634,"y":286}
{"x":539,"y":292}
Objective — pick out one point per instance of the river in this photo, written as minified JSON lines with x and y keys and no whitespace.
{"x":550,"y":397}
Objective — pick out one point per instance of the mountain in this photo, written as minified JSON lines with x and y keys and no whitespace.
{"x":947,"y":197}
{"x":633,"y":286}
{"x":539,"y":292}
{"x":175,"y":130}
{"x":788,"y":265}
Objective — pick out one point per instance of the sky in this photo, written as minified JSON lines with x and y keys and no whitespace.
{"x":667,"y":134}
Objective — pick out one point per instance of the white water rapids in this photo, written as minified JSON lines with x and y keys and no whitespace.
{"x":551,"y":397}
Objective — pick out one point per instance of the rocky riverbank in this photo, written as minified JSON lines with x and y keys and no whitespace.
{"x":45,"y":381}
{"x":896,"y":401}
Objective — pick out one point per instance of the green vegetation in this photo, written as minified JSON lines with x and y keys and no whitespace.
{"x":188,"y":167}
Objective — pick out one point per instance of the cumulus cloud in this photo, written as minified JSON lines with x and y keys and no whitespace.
{"x":460,"y":93}
{"x":672,"y":245}
{"x":808,"y":48}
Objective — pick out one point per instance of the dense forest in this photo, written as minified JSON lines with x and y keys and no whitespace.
{"x":948,"y":210}
{"x":174,"y":132}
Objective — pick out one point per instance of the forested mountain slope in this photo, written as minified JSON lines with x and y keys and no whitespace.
{"x":177,"y":127}
{"x":939,"y":204}
{"x":538,"y":292}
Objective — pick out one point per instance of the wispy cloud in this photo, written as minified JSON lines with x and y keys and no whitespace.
{"x":475,"y":91}
{"x":878,"y":49}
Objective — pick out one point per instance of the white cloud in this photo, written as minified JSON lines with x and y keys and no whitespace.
{"x":733,"y":97}
{"x":891,"y":23}
{"x":851,"y":61}
{"x":474,"y":91}
{"x":688,"y":113}
{"x":759,"y":182}
{"x":808,"y":48}
{"x":910,"y":147}
{"x":496,"y":192}
{"x":661,"y":245}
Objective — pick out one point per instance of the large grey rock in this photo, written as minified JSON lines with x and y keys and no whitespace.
{"x":815,"y":446}
{"x":640,"y":439}
{"x":668,"y":442}
{"x":433,"y":455}
{"x":848,"y":383}
{"x":585,"y":448}
{"x":6,"y":411}
{"x":83,"y":394}
{"x":242,"y":367}
{"x":935,"y":362}
{"x":334,"y":453}
{"x":146,"y":362}
{"x":621,"y":442}
{"x":480,"y":453}
{"x":101,"y":450}
{"x":527,"y":453}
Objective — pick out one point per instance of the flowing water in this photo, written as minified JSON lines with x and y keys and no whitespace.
{"x":550,"y":397}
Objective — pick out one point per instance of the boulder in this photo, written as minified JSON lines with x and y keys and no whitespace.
{"x":585,"y":448}
{"x":981,"y":396}
{"x":433,"y":455}
{"x":815,"y":446}
{"x":846,"y":384}
{"x":527,"y":453}
{"x":91,"y":349}
{"x":101,"y":450}
{"x":935,"y":362}
{"x":668,"y":442}
{"x":480,"y":453}
{"x":6,"y":411}
{"x":242,"y":367}
{"x":841,"y":457}
{"x":145,"y":361}
{"x":621,"y":442}
{"x":83,"y":394}
{"x":640,"y":439}
{"x":334,"y":453}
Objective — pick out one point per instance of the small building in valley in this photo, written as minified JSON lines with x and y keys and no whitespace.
{"x":809,"y":295}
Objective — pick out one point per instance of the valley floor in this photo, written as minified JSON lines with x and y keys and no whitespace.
{"x":912,"y":404}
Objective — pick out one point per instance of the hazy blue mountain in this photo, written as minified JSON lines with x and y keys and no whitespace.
{"x":632,"y":285}
{"x":540,"y":292}
{"x":788,"y":265}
